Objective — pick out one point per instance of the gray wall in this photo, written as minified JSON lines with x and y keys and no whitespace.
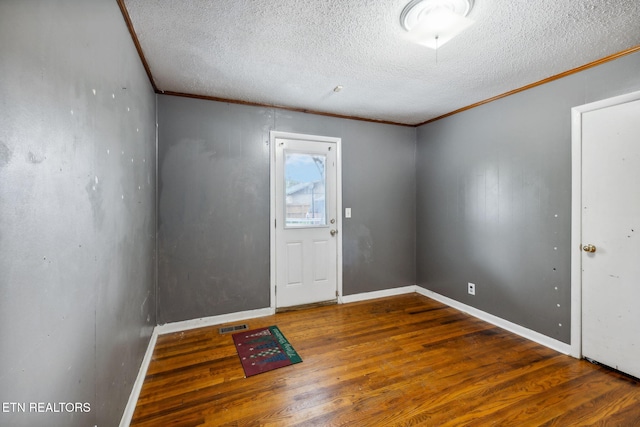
{"x":213,"y":235}
{"x":494,"y":199}
{"x":77,"y":203}
{"x":213,"y":239}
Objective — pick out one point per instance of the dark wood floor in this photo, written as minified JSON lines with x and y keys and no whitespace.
{"x":404,"y":361}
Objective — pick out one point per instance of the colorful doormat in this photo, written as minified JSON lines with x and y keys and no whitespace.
{"x":264,"y":349}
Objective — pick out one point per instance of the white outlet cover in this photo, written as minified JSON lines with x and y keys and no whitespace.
{"x":471,"y":288}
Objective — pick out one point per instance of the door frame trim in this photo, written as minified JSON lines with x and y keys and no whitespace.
{"x":272,"y":201}
{"x":576,"y":211}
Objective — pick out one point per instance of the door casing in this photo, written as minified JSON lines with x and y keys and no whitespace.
{"x":576,"y":212}
{"x":272,"y":217}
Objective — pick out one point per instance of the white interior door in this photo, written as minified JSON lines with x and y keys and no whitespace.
{"x":306,"y":221}
{"x":611,"y":236}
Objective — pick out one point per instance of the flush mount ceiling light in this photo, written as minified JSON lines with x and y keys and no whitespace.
{"x":432,"y":23}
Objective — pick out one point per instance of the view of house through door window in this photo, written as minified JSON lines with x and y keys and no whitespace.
{"x":305,"y":184}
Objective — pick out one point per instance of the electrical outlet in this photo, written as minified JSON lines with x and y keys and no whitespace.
{"x":471,"y":288}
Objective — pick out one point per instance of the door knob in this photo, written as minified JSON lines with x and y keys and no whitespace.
{"x":333,"y":232}
{"x":589,"y":248}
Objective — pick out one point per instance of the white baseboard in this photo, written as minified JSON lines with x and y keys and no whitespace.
{"x":137,"y":385}
{"x":498,"y":321}
{"x":377,"y":294}
{"x":186,"y":325}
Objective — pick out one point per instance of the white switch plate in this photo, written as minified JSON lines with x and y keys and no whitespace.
{"x":347,"y":212}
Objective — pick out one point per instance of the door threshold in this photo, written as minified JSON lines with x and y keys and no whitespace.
{"x":306,"y":306}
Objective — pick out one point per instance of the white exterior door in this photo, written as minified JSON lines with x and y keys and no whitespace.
{"x":611,"y":236}
{"x":306,"y":220}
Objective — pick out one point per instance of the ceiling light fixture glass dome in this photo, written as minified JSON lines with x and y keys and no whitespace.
{"x":432,"y":23}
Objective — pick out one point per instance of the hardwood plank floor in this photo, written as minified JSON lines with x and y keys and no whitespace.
{"x":398,"y":361}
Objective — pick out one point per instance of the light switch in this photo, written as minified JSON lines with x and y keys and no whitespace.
{"x":347,"y":212}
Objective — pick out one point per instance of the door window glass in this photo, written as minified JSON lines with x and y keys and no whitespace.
{"x":305,"y":189}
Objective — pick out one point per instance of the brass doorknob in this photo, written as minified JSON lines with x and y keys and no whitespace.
{"x":333,"y":232}
{"x":589,"y":248}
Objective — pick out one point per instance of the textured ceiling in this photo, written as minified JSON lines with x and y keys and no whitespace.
{"x":292,"y":53}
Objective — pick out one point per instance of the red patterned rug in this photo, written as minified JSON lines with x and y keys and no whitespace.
{"x":264,"y":349}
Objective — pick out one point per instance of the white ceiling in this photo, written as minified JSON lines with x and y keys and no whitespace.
{"x":292,"y":53}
